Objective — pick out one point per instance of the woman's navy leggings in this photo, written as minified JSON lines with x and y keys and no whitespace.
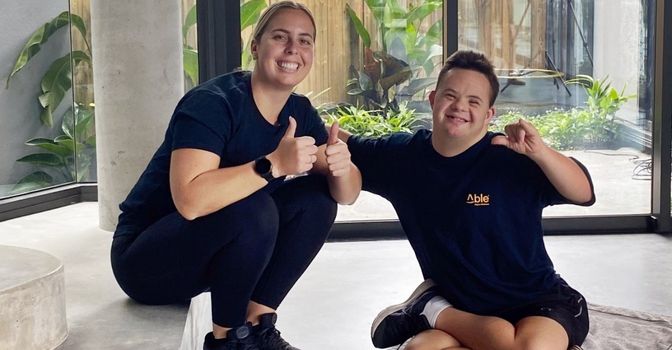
{"x":254,"y":249}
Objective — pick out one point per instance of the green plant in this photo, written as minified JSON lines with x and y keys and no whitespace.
{"x":603,"y":99}
{"x":401,"y":68}
{"x":373,"y":122}
{"x":70,"y":155}
{"x":575,"y":128}
{"x":249,"y":15}
{"x":189,"y":53}
{"x":579,"y":127}
{"x":58,"y":78}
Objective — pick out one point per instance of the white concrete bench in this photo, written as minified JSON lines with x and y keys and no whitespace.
{"x":32,"y":300}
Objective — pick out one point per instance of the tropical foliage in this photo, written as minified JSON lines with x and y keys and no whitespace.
{"x":70,"y":155}
{"x":592,"y":126}
{"x":373,"y":122}
{"x":406,"y":57}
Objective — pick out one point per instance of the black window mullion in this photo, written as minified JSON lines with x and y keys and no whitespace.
{"x":662,"y":119}
{"x":219,"y":43}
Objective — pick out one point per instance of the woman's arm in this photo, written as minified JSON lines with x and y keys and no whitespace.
{"x":199,"y":187}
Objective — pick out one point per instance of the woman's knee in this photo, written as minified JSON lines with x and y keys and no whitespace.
{"x":254,"y":218}
{"x":311,"y":194}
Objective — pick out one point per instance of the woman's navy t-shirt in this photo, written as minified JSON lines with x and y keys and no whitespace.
{"x":218,"y":116}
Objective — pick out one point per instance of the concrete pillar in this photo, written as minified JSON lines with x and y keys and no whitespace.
{"x":138,"y":80}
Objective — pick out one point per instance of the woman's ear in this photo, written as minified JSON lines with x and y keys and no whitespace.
{"x":253,"y":49}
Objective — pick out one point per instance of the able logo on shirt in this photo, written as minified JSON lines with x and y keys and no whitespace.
{"x":478,"y":199}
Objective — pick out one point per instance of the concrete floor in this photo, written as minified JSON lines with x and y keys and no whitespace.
{"x":333,"y":304}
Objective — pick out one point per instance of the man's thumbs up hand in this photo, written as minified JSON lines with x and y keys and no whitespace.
{"x":338,"y":154}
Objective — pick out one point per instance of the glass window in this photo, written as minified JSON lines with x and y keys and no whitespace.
{"x":189,"y":44}
{"x":592,"y":102}
{"x":375,"y":63}
{"x":38,"y":108}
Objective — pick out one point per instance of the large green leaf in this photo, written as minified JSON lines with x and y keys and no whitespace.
{"x":250,"y":12}
{"x":35,"y":41}
{"x":47,"y":159}
{"x":82,"y":123}
{"x":51,"y":146}
{"x":36,"y":180}
{"x":378,"y":8}
{"x":78,"y":23}
{"x":67,"y":142}
{"x":189,"y":22}
{"x":359,"y":27}
{"x":419,"y":13}
{"x":190,"y":62}
{"x":56,"y":82}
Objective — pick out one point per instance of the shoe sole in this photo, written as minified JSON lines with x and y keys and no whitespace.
{"x":394,"y":308}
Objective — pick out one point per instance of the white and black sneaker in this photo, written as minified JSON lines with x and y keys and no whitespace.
{"x":397,"y":323}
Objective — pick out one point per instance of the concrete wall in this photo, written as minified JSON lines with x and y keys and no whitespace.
{"x":19,"y":108}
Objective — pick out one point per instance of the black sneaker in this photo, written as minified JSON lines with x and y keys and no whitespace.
{"x":267,"y":336}
{"x":397,"y":323}
{"x":240,"y":338}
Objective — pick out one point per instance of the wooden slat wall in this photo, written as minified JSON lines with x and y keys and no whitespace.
{"x":500,"y":30}
{"x":338,"y":45}
{"x":82,"y":77}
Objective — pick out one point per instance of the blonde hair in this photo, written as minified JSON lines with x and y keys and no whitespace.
{"x":273,"y":10}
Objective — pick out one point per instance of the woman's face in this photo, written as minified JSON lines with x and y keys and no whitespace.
{"x":284,"y":53}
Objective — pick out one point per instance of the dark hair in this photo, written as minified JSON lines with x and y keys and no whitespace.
{"x":270,"y":12}
{"x":476,"y":61}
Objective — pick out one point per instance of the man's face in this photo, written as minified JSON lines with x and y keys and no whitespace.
{"x":461,"y":105}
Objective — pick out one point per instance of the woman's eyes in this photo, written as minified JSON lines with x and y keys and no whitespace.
{"x":285,"y":38}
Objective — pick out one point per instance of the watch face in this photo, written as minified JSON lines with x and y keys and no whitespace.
{"x":262,"y":166}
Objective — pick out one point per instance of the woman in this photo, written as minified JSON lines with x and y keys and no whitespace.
{"x":213,"y":211}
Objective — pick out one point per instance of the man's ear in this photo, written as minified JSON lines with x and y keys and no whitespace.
{"x":432,"y":95}
{"x":490,"y":114}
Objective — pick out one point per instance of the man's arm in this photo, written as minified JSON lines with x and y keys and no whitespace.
{"x":565,"y":174}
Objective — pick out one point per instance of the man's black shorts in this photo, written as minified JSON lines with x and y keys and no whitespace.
{"x":568,"y":307}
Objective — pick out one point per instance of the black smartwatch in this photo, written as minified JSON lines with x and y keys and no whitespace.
{"x":263,"y":167}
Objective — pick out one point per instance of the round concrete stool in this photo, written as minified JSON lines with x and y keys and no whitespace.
{"x":32,"y":300}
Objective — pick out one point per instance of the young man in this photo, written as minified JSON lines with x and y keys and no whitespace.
{"x":470,"y":202}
